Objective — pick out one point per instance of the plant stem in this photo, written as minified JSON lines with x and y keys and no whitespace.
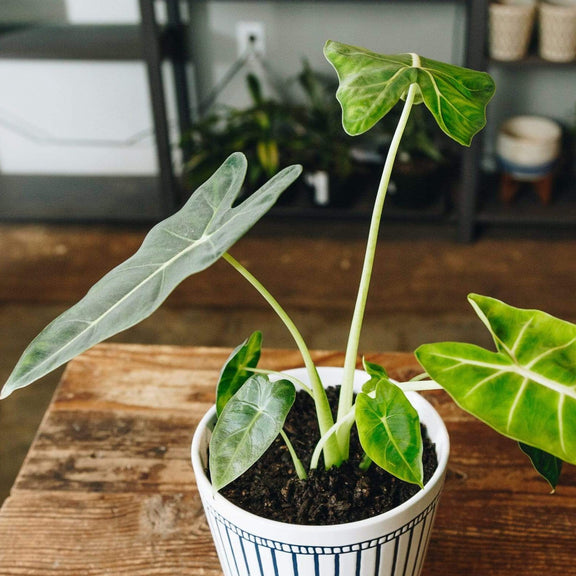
{"x":332,"y":453}
{"x":298,"y":466}
{"x":292,"y":379}
{"x":347,"y":391}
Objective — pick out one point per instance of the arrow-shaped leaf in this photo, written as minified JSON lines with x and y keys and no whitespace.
{"x":371,"y":84}
{"x":389,"y":431}
{"x":527,"y":389}
{"x":187,"y":242}
{"x":234,"y":373}
{"x":249,"y":423}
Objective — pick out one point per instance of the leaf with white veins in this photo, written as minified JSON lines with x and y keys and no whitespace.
{"x":389,"y":431}
{"x":371,"y":84}
{"x":527,"y":389}
{"x":247,"y":426}
{"x":185,"y":243}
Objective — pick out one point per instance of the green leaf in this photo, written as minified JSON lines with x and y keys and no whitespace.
{"x":234,"y":373}
{"x":389,"y":431}
{"x":376,"y":373}
{"x":548,"y":466}
{"x":371,"y":84}
{"x":527,"y":389}
{"x":249,"y":423}
{"x":187,"y":242}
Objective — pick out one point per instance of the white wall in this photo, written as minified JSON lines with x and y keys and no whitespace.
{"x":295,"y":31}
{"x":74,"y":117}
{"x":92,"y":101}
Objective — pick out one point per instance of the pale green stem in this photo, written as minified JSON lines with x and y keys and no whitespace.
{"x":417,"y":385}
{"x":292,"y":379}
{"x":346,"y":422}
{"x":298,"y":466}
{"x":347,"y":391}
{"x":332,"y":454}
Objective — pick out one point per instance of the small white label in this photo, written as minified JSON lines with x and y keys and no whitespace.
{"x":321,"y":184}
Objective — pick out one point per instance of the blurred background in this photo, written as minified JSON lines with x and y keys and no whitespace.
{"x":113,"y":112}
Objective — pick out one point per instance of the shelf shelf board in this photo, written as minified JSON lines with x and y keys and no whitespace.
{"x":526,"y":208}
{"x":302,"y":206}
{"x":531,"y":61}
{"x":72,"y":42}
{"x":80,"y":42}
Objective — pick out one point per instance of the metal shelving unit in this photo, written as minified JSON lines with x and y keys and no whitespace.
{"x":148,"y":42}
{"x":463,"y":215}
{"x":155,"y":43}
{"x":525,"y":211}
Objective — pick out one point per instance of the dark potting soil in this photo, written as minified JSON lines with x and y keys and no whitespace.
{"x":272,"y":490}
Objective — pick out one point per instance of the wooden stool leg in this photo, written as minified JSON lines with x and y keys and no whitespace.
{"x":508,"y":188}
{"x":544,"y":188}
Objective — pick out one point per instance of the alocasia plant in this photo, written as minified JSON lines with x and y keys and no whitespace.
{"x":526,"y":389}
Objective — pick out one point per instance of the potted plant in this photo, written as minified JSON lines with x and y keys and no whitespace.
{"x":525,"y":389}
{"x":262,"y":131}
{"x":273,"y":133}
{"x":320,"y":145}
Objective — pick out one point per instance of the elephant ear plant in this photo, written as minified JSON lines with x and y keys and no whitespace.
{"x":526,"y":389}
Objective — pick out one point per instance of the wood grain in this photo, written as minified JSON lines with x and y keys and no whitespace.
{"x":413,"y":276}
{"x":108,"y":489}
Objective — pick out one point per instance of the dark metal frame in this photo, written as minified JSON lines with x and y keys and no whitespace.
{"x":157,"y":43}
{"x":476,"y":30}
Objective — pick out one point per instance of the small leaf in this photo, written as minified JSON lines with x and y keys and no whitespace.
{"x":389,"y":431}
{"x":548,"y":466}
{"x":184,"y":244}
{"x":374,"y":370}
{"x":371,"y":84}
{"x":527,"y":389}
{"x":234,"y":372}
{"x":248,"y":425}
{"x":376,"y":373}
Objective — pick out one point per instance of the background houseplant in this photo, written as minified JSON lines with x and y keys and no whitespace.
{"x":261,"y":131}
{"x":302,"y":126}
{"x":535,"y":354}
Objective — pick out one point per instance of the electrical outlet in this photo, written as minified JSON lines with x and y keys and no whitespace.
{"x":250,"y":34}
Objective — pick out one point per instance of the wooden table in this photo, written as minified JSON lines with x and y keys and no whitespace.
{"x":107,"y":487}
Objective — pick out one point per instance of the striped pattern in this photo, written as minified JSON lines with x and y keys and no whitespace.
{"x":399,"y":553}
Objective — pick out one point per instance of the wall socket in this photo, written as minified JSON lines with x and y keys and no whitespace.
{"x":250,"y":34}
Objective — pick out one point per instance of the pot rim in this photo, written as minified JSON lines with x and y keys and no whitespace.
{"x":425,"y":408}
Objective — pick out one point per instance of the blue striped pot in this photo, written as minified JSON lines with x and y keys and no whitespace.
{"x":391,"y":544}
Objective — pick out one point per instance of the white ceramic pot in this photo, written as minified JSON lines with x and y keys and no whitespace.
{"x":528,"y":146}
{"x":557,"y":22}
{"x":510,"y":29}
{"x":392,"y":543}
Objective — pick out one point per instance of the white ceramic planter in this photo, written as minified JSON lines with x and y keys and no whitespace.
{"x":510,"y":29}
{"x":390,"y":544}
{"x":557,"y":22}
{"x":528,"y":146}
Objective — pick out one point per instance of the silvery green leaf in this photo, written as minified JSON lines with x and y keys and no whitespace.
{"x":236,"y":369}
{"x":389,"y":431}
{"x":371,"y":84}
{"x":185,"y":243}
{"x":249,"y":423}
{"x":526,"y":390}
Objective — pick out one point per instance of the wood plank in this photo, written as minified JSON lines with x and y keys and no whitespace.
{"x":123,"y":416}
{"x":81,"y":534}
{"x":108,"y":488}
{"x":312,"y":271}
